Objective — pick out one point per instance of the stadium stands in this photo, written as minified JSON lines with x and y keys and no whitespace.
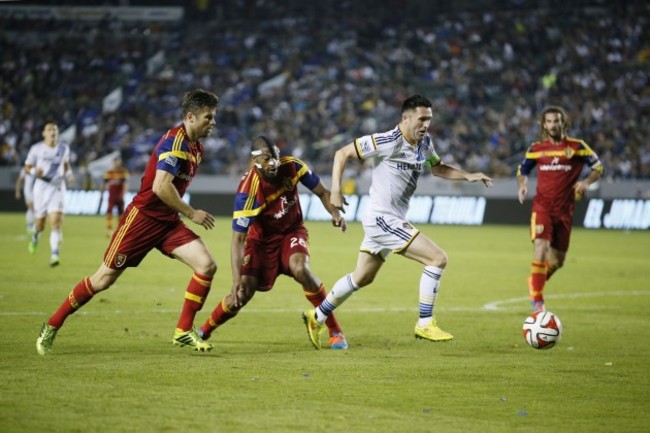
{"x":315,"y":77}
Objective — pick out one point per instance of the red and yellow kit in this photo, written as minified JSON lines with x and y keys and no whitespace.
{"x":271,"y":215}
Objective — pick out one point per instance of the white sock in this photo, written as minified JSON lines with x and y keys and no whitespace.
{"x":341,"y":291}
{"x":429,"y":286}
{"x":29,"y":219}
{"x":55,"y":240}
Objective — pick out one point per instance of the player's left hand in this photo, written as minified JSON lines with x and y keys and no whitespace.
{"x":474,"y":177}
{"x":338,"y":201}
{"x":579,"y":188}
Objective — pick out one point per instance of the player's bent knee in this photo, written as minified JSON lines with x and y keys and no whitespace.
{"x":208,"y":268}
{"x":438,"y":260}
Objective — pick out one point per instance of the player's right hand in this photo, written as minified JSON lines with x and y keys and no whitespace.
{"x":523,"y":192}
{"x":203,"y":218}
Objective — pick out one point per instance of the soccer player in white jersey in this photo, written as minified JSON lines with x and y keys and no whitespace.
{"x":24,"y":190}
{"x":399,"y":156}
{"x":49,"y":162}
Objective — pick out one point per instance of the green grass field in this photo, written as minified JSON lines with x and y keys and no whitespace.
{"x":113,"y":367}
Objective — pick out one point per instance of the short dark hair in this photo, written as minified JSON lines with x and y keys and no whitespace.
{"x":198,"y":99}
{"x":415,"y":101}
{"x":263,"y":142}
{"x":49,"y":121}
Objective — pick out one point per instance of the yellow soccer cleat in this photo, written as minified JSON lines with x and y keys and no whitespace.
{"x":431,"y":332}
{"x":314,"y":329}
{"x":190,"y":338}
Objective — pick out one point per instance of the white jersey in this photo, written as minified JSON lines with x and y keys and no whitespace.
{"x":397,"y":165}
{"x":51,"y":160}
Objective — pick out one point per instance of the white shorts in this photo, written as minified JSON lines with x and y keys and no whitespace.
{"x":28,"y":190}
{"x":385,"y":234}
{"x":48,"y":198}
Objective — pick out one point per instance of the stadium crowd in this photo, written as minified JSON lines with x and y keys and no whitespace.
{"x":315,"y":80}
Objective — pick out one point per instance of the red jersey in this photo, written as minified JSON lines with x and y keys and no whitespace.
{"x":175,"y":154}
{"x":266,"y":208}
{"x":115,"y":180}
{"x":558,"y":169}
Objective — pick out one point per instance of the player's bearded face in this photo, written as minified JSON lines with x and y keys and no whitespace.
{"x":554,"y":126}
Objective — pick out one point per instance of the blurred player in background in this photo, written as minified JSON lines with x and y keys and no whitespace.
{"x":560,"y":161}
{"x":399,"y":156}
{"x":24,"y":189}
{"x":116,"y":180}
{"x":49,"y":162}
{"x":269,"y":236}
{"x":152,"y":221}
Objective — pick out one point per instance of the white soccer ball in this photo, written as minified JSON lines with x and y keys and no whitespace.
{"x":542,"y":330}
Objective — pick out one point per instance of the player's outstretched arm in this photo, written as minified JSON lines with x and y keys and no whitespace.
{"x":452,"y":173}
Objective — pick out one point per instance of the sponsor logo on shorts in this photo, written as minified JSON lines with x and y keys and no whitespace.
{"x":171,"y":160}
{"x":246,"y":260}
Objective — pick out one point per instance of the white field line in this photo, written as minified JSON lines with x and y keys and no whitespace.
{"x":498,"y":305}
{"x":502,"y":305}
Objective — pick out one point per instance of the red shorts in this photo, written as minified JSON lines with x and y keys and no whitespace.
{"x":267,"y":259}
{"x":552,"y":227}
{"x":137,"y":234}
{"x":115,"y":203}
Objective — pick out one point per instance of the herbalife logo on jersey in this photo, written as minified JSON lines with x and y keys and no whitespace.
{"x":285,"y":205}
{"x":555,"y":166}
{"x":408,"y":166}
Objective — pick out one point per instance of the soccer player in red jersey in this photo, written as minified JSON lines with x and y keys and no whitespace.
{"x":152,"y":221}
{"x":116,"y":181}
{"x":269,"y":237}
{"x":560,"y":161}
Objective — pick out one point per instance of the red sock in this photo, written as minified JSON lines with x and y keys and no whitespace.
{"x":549,"y":271}
{"x":80,"y":295}
{"x":316,"y":299}
{"x":220,"y":315}
{"x":538,"y":279}
{"x":195,"y":294}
